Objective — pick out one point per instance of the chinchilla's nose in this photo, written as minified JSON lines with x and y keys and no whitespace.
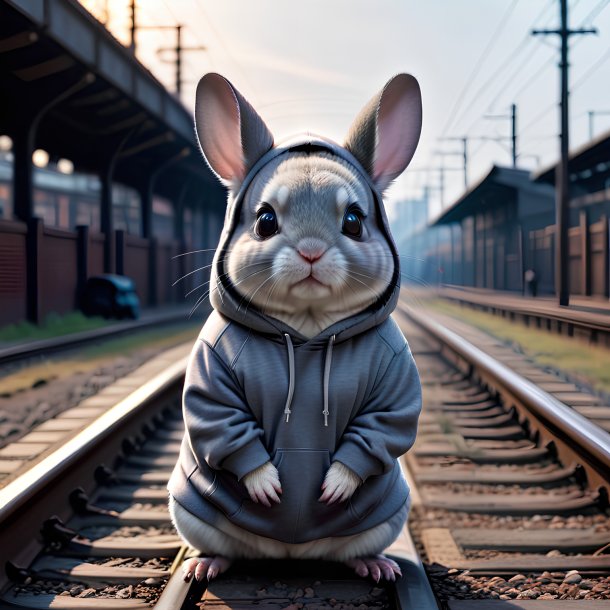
{"x":311,"y":249}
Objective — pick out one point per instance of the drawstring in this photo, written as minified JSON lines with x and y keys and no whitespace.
{"x":327,"y":362}
{"x":290,"y":376}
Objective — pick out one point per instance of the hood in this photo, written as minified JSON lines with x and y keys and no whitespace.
{"x":229,"y":303}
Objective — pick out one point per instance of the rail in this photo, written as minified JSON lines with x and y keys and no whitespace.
{"x":30,"y":349}
{"x":573,"y":429}
{"x":22,"y":492}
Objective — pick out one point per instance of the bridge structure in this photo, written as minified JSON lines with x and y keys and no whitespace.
{"x":67,"y":86}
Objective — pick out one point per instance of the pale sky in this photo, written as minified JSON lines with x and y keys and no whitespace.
{"x":312,"y":65}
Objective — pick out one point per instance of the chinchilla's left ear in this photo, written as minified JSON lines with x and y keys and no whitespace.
{"x":231,"y":134}
{"x":384,"y":135}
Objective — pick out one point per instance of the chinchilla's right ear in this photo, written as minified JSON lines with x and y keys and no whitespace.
{"x":231,"y":134}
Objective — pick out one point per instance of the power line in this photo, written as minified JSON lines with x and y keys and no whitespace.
{"x":215,"y":31}
{"x":479,"y":64}
{"x":526,"y":42}
{"x":604,"y":58}
{"x":594,"y":13}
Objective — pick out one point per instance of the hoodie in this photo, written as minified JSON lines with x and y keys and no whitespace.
{"x":258,"y":391}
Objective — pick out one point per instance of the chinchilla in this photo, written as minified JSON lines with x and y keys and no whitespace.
{"x":301,"y":392}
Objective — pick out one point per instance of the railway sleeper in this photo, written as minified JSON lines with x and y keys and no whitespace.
{"x":451,"y":474}
{"x":531,"y":540}
{"x":74,"y":570}
{"x":144,"y":547}
{"x":442,"y":549}
{"x":61,"y":602}
{"x":497,"y":504}
{"x":497,"y":433}
{"x":521,"y":455}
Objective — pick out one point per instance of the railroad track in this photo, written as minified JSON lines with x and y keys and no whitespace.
{"x":44,"y":347}
{"x":510,"y":485}
{"x":87,"y":527}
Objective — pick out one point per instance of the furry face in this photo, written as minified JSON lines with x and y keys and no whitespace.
{"x":308,"y":248}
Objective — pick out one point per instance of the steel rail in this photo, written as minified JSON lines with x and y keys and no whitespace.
{"x":20,"y":493}
{"x":30,"y":349}
{"x":590,"y":442}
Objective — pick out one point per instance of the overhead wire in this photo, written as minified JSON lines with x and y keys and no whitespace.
{"x":525,"y":43}
{"x":214,"y":29}
{"x":479,"y":64}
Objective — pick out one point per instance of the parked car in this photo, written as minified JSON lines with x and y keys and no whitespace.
{"x":111,"y":296}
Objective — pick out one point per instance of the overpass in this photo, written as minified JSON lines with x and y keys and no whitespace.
{"x":69,"y":87}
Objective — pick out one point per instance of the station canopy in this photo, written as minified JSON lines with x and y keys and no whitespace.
{"x":500,"y":186}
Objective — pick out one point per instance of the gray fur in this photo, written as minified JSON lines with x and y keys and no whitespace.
{"x":310,"y":193}
{"x":361,"y":139}
{"x":265,"y":272}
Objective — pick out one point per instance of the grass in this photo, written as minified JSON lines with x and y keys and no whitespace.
{"x":54,"y":325}
{"x":583,"y":362}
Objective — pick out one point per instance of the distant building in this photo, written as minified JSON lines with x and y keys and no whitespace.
{"x":589,"y":238}
{"x":410,"y":215}
{"x":489,"y":230}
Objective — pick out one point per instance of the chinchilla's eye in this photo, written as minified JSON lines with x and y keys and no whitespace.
{"x":352,"y":223}
{"x":266,"y":223}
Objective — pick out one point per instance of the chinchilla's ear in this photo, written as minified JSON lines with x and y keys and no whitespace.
{"x":231,"y":134}
{"x":384,"y":135}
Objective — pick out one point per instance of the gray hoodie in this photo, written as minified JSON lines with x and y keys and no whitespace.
{"x":256,"y":390}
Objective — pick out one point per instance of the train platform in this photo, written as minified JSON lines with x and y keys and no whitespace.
{"x":578,"y":303}
{"x":585,"y":317}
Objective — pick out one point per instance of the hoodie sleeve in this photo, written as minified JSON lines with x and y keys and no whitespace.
{"x":220,"y":427}
{"x":386,"y":425}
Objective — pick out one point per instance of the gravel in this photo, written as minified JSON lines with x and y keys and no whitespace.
{"x":22,"y":411}
{"x":454,"y":584}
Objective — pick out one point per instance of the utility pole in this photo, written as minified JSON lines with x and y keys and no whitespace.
{"x":441,"y":178}
{"x":592,"y":114}
{"x":178,"y":50}
{"x":134,"y":27}
{"x":562,"y":183}
{"x":463,"y":154}
{"x":513,"y":131}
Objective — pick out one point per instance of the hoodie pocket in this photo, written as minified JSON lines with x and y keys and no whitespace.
{"x":371,"y":494}
{"x":300,"y":515}
{"x":221,"y":488}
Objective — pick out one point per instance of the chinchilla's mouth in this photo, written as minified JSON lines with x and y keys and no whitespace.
{"x":310,"y":280}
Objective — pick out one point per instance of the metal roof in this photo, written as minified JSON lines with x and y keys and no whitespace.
{"x":94,"y":96}
{"x":594,"y":155}
{"x":497,"y":179}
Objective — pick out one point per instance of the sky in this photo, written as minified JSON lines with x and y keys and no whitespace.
{"x":311,"y":66}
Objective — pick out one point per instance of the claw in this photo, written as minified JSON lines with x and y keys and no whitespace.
{"x":205,"y":567}
{"x":377,"y":566}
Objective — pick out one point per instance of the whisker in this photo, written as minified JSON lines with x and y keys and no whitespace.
{"x":254,"y":293}
{"x":191,"y":273}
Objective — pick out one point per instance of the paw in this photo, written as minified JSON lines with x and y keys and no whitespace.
{"x":377,"y":566}
{"x":339,"y":484}
{"x":208,"y":567}
{"x":263,"y":484}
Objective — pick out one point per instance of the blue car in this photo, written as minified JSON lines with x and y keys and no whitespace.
{"x":111,"y":296}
